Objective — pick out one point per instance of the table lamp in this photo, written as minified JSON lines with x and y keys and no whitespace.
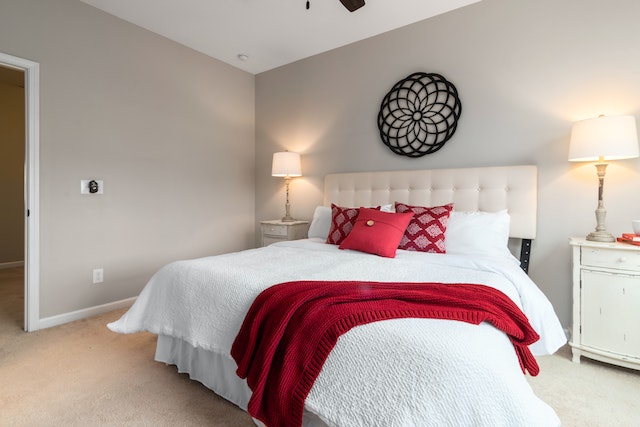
{"x":287,"y":165}
{"x":600,"y":139}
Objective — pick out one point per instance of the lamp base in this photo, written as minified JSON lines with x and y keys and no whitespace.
{"x":287,"y":207}
{"x":601,"y":236}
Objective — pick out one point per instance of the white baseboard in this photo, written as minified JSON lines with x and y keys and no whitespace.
{"x":11,"y":264}
{"x":61,"y":319}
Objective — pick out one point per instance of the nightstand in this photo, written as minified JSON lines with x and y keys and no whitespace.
{"x":278,"y":231}
{"x":606,"y":302}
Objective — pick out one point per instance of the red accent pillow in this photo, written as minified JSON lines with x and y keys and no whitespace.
{"x":377,"y":232}
{"x":342,"y":221}
{"x":426,"y":230}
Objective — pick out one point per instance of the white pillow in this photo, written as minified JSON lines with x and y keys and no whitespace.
{"x":478,"y":233}
{"x":321,"y":222}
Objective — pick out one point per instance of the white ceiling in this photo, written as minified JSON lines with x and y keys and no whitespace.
{"x":270,"y":32}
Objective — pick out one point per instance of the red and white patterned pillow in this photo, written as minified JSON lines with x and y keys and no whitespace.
{"x":342,"y":222}
{"x":426,"y":231}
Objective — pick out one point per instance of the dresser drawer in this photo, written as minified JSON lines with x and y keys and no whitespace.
{"x":267,"y":240}
{"x":611,"y":258}
{"x":278,"y":231}
{"x":274,"y":230}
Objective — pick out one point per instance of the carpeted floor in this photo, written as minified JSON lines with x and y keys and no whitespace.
{"x":589,"y":394}
{"x":82,"y":374}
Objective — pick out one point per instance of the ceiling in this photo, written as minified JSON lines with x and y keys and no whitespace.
{"x":270,"y":33}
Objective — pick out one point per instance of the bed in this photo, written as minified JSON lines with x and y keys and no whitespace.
{"x":395,"y":372}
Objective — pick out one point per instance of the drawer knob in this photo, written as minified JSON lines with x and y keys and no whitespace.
{"x":622,"y":259}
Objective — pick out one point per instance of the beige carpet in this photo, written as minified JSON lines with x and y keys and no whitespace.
{"x":82,"y":374}
{"x":589,"y":394}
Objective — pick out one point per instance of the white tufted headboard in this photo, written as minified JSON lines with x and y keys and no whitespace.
{"x":489,"y":189}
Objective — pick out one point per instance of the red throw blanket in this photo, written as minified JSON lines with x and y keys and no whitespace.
{"x":291,"y":328}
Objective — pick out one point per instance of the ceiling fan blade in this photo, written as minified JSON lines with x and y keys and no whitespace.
{"x":352,"y":5}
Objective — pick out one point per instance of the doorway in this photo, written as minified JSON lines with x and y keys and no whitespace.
{"x":12,"y":151}
{"x":30,"y":73}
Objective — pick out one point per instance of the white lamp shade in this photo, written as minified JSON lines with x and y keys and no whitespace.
{"x":286,"y":164}
{"x":606,"y":137}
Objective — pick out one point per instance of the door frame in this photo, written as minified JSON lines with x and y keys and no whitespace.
{"x":31,"y":71}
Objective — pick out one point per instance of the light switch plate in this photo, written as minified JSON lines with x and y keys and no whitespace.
{"x":98,"y":275}
{"x":84,"y":186}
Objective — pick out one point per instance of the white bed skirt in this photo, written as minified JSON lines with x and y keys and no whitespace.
{"x":216,"y":371}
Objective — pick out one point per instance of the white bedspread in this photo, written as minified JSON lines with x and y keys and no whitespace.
{"x":403,"y":372}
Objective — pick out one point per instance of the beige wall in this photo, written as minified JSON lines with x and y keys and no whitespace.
{"x":169,"y":130}
{"x":525,"y":70}
{"x":11,"y":173}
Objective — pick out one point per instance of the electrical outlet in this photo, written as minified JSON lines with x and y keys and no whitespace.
{"x":98,"y":275}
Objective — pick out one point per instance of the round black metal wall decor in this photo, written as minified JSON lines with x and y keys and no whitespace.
{"x":419,"y":114}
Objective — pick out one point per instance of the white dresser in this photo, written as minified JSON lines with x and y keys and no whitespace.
{"x":278,"y":231}
{"x":606,"y":302}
